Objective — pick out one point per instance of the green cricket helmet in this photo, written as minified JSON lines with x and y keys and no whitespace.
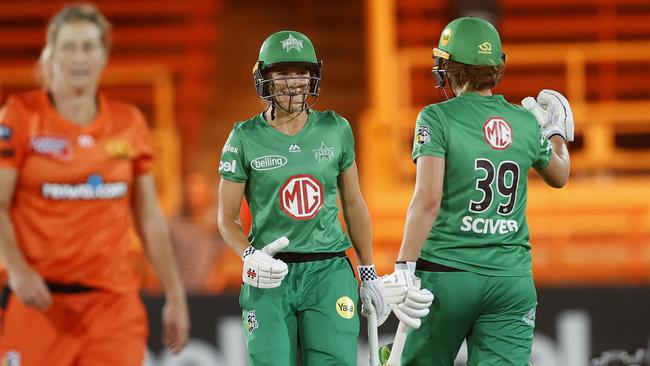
{"x":468,"y":40}
{"x":286,"y":48}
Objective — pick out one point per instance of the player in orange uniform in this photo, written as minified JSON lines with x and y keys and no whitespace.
{"x":75,"y":179}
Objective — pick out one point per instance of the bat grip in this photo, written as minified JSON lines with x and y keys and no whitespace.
{"x":373,"y":339}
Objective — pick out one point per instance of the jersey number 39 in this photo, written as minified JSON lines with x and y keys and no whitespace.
{"x":507,"y":177}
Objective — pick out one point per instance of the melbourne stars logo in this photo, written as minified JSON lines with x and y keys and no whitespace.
{"x":323,"y":153}
{"x":251,"y":322}
{"x":292,"y":43}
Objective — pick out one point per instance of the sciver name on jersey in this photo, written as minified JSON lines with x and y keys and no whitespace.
{"x":291,"y":181}
{"x":488,"y":145}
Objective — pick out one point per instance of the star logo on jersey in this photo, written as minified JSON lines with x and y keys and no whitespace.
{"x":423,"y":136}
{"x":120,"y":149}
{"x":292,"y":43}
{"x":294,"y":148}
{"x":323,"y":153}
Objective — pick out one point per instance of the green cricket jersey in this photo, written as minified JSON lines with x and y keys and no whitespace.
{"x":291,"y":181}
{"x":488,"y":145}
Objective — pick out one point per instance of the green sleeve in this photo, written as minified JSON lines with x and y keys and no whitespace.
{"x":233,"y":163}
{"x":429,"y":134}
{"x":347,"y":146}
{"x":544,"y":152}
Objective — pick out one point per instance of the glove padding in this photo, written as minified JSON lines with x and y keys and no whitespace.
{"x":261,"y":269}
{"x":553,"y":113}
{"x":403,"y":294}
{"x":372,"y":292}
{"x":414,"y":308}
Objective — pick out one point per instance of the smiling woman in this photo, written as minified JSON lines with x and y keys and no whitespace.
{"x":290,"y":162}
{"x":76,"y":184}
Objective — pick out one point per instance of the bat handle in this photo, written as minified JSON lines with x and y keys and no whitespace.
{"x":398,"y":345}
{"x":373,"y":339}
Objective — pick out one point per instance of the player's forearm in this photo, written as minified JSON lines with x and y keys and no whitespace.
{"x":556,"y":173}
{"x":419,"y":220}
{"x":156,"y":239}
{"x":560,"y":149}
{"x":11,"y":255}
{"x":357,"y":220}
{"x":233,"y":234}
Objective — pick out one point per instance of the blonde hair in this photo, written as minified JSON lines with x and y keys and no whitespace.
{"x":74,"y":12}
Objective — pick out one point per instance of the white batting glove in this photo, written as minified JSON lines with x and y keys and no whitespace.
{"x":261,"y":269}
{"x":403,"y":294}
{"x":372,"y":292}
{"x":553,"y":113}
{"x":415,"y":307}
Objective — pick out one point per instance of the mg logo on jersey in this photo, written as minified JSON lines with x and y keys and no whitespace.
{"x":301,"y":197}
{"x":497,"y":133}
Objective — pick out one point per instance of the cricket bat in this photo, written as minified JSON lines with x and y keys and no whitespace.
{"x":391,"y":354}
{"x":373,"y":340}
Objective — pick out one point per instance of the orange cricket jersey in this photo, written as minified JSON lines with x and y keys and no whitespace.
{"x":72,"y":202}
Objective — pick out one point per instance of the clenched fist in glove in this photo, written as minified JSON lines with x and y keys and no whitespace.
{"x":372,"y":292}
{"x":261,"y":269}
{"x":402,"y":292}
{"x":553,"y":113}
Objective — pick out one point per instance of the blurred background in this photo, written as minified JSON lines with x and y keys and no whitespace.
{"x":187,"y":65}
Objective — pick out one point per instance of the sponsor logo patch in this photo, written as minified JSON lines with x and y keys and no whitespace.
{"x":93,"y":189}
{"x":485,"y":48}
{"x":268,"y":162}
{"x":5,"y":132}
{"x":228,"y":166}
{"x":120,"y":149}
{"x":497,"y":133}
{"x":251,"y":322}
{"x":54,"y":146}
{"x":345,"y":307}
{"x":292,"y":43}
{"x":423,"y":136}
{"x":85,"y":141}
{"x":529,"y":317}
{"x":301,"y":197}
{"x":446,"y":36}
{"x":294,"y":148}
{"x":229,"y":149}
{"x":323,"y":153}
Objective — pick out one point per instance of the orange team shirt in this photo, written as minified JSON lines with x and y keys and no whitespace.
{"x":72,"y":202}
